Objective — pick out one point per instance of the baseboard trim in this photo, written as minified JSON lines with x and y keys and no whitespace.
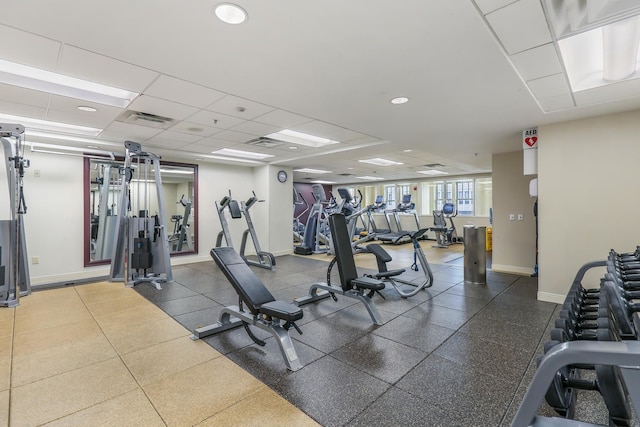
{"x":549,"y":297}
{"x":500,"y":268}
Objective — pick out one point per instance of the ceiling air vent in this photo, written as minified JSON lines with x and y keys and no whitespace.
{"x":345,"y":174}
{"x":145,"y":119}
{"x":434,"y":165}
{"x":265,"y":142}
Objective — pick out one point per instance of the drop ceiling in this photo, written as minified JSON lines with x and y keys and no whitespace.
{"x":476,"y":73}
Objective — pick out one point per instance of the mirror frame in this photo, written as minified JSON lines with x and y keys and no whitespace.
{"x":86,"y":187}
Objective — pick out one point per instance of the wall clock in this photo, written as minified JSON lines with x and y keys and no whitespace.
{"x":282,"y":176}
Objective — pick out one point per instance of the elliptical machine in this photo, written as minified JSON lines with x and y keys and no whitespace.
{"x":14,"y":266}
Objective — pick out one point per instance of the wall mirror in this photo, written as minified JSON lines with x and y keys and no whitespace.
{"x":102,"y":186}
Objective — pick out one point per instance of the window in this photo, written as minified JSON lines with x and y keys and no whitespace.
{"x":464,"y":197}
{"x":471,"y":196}
{"x":390,"y":196}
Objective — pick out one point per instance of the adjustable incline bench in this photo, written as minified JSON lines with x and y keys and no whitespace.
{"x":265,"y":312}
{"x":352,"y":286}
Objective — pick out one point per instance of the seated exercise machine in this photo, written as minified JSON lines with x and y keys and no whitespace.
{"x":237,"y":211}
{"x":265,"y":312}
{"x":181,"y":230}
{"x":141,"y":244}
{"x":393,"y":276}
{"x":445,"y":235}
{"x":359,"y":288}
{"x":14,"y":274}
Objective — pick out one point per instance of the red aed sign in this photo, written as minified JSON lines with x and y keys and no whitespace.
{"x":530,"y":138}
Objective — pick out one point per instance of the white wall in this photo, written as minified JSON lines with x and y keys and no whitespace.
{"x":514,"y":242}
{"x":55,"y":219}
{"x":588,"y":197}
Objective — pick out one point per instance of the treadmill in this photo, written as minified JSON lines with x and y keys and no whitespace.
{"x":399,"y":236}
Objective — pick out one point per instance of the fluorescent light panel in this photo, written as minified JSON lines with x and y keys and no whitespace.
{"x":370,"y":178}
{"x":28,"y":77}
{"x":323,"y":182}
{"x":380,"y":162}
{"x":30,"y":123}
{"x":300,"y":138}
{"x":603,"y":55}
{"x":433,"y":172}
{"x":241,"y":154}
{"x":309,"y":170}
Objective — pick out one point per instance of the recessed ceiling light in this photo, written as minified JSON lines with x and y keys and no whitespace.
{"x":399,"y":100}
{"x":241,"y":153}
{"x":323,"y":182}
{"x":195,"y":129}
{"x":408,"y":150}
{"x":309,"y":170}
{"x":230,"y":13}
{"x":92,"y":146}
{"x":87,"y":108}
{"x":293,"y":147}
{"x":380,"y":162}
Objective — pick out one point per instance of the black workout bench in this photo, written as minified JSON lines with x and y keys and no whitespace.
{"x":352,"y":286}
{"x":265,"y":312}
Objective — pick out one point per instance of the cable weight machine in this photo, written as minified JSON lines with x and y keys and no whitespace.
{"x":141,"y":250}
{"x":14,"y":266}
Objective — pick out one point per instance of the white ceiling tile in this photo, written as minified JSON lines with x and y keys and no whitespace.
{"x":346,"y":135}
{"x":195,"y":129}
{"x":104,"y":113}
{"x":231,"y":106}
{"x":556,"y":103}
{"x":318,"y":128}
{"x":255,"y":128}
{"x":23,"y":110}
{"x":537,"y":62}
{"x":229,"y":135}
{"x":520,"y":26}
{"x":618,"y":91}
{"x":183,"y":92}
{"x":283,"y":119}
{"x":125,"y":131}
{"x":101,"y":69}
{"x":170,"y":135}
{"x":213,"y":119}
{"x":23,"y":96}
{"x":549,"y":86}
{"x":163,"y":143}
{"x":28,"y":49}
{"x":488,"y":6}
{"x":160,"y":107}
{"x":198,"y":148}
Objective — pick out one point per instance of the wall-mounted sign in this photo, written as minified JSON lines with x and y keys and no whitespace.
{"x":530,"y":138}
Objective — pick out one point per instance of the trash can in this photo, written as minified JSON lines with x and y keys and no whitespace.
{"x":475,"y":255}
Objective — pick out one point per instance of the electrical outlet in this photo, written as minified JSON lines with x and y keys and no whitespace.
{"x":520,"y":217}
{"x":512,"y":217}
{"x":35,"y":260}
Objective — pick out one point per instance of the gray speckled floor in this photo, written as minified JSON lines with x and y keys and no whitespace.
{"x":453,"y":355}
